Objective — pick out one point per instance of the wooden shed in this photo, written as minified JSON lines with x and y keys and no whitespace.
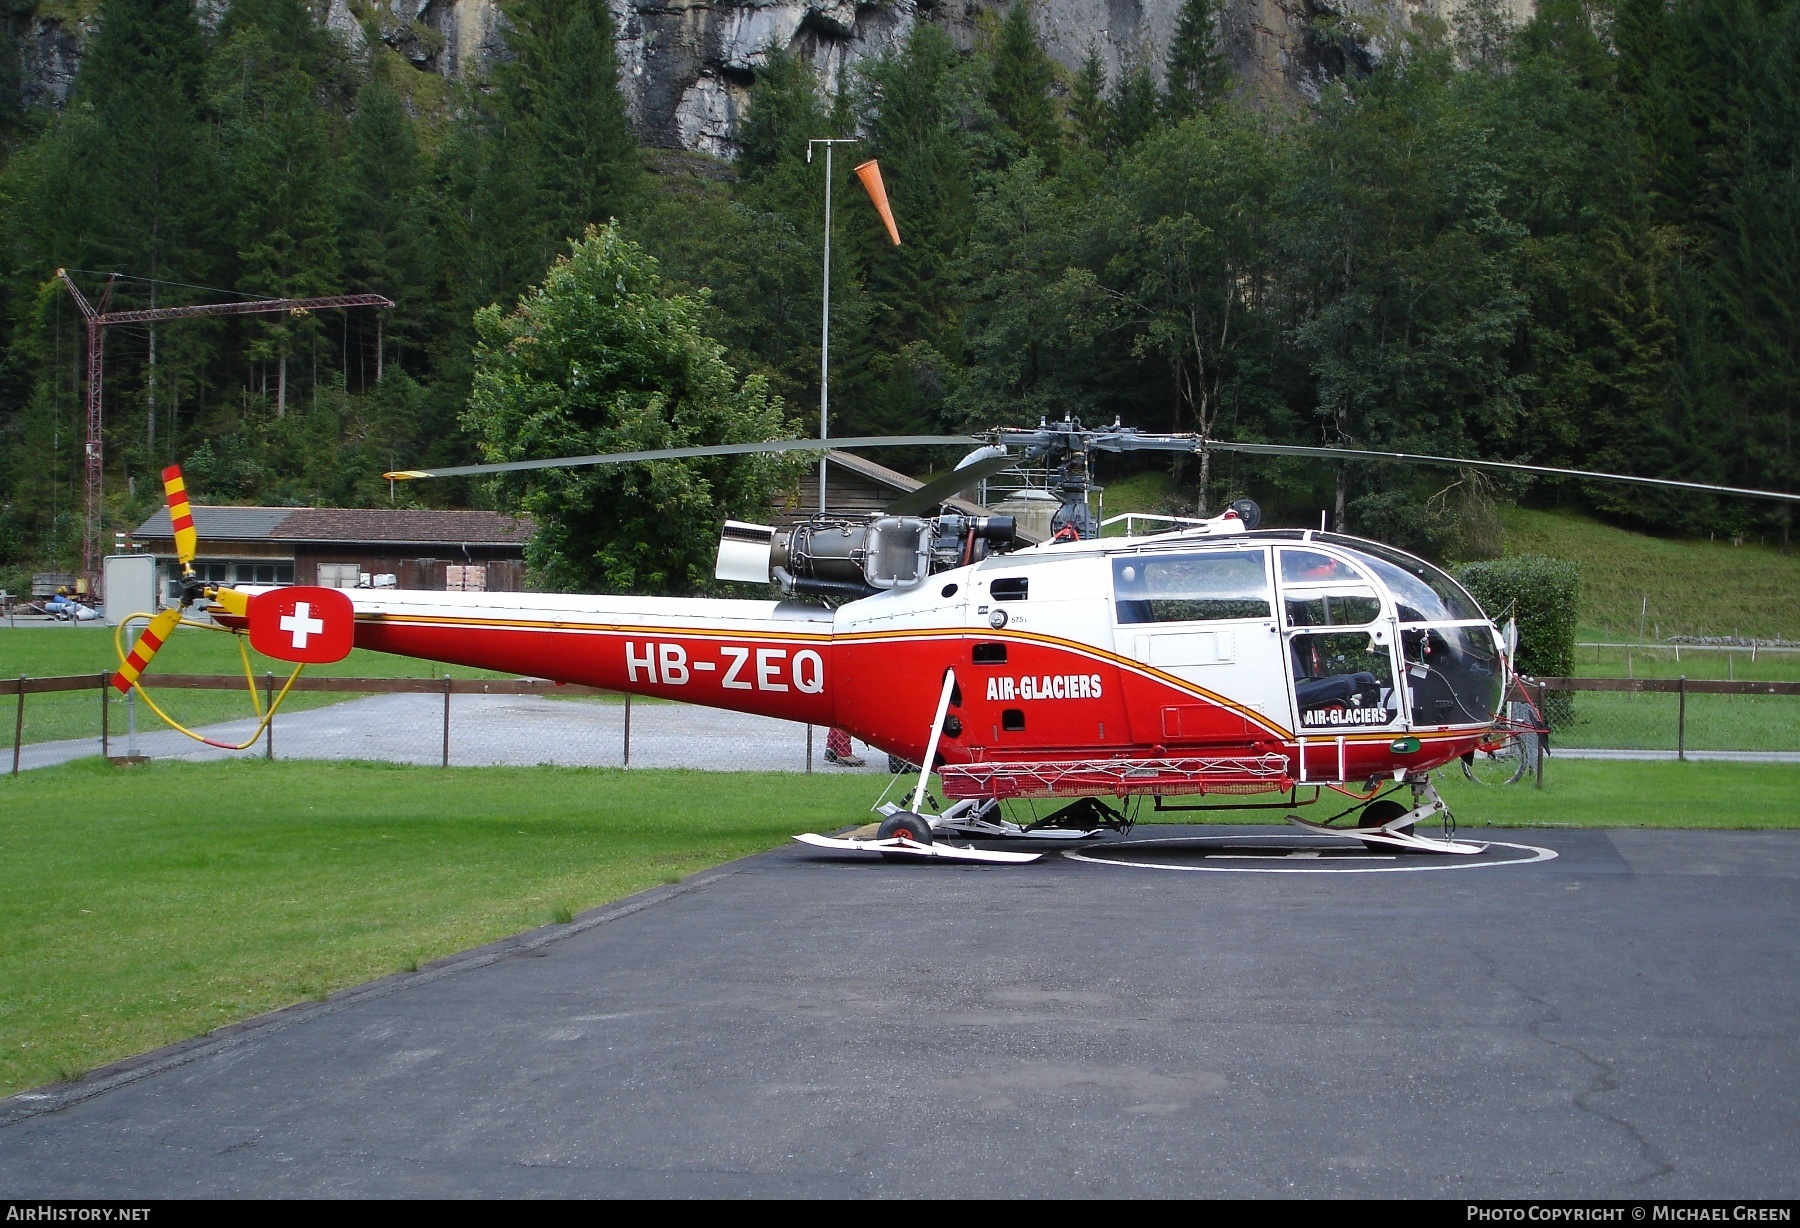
{"x":340,"y":547}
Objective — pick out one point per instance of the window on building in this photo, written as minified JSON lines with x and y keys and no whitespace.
{"x":265,"y":573}
{"x":339,"y":575}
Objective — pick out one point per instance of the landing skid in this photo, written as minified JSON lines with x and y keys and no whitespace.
{"x":902,"y":847}
{"x":980,"y":818}
{"x":1397,"y":832}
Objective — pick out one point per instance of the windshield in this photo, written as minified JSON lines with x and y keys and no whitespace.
{"x":1422,"y":593}
{"x":1454,"y":674}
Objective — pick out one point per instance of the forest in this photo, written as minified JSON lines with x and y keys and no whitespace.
{"x":1572,"y":242}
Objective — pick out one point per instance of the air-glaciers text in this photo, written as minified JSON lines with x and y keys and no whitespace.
{"x":1045,"y":686}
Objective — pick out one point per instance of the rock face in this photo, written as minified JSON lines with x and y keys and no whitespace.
{"x":687,"y":65}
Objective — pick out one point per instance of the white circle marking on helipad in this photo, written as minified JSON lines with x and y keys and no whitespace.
{"x":1321,"y":866}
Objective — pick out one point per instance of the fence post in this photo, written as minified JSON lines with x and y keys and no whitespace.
{"x":446,"y":762}
{"x":809,"y":744}
{"x":1543,"y":708}
{"x":105,"y":731}
{"x":1681,"y":721}
{"x":627,"y":762}
{"x":19,"y":725}
{"x":269,"y":708}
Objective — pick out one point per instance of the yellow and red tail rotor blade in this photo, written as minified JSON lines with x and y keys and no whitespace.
{"x":160,"y":628}
{"x":181,"y":516}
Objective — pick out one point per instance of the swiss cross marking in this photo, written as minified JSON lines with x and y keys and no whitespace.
{"x":300,"y":624}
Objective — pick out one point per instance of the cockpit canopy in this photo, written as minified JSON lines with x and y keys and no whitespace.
{"x":1371,"y":632}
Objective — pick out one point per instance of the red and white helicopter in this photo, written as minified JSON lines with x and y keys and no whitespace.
{"x":1219,"y":659}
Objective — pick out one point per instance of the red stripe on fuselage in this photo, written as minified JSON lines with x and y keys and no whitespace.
{"x":883,"y":688}
{"x":780,"y":677}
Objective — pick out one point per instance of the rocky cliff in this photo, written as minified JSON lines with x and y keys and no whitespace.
{"x":687,"y":65}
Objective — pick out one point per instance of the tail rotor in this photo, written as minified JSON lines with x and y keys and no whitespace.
{"x":187,"y":544}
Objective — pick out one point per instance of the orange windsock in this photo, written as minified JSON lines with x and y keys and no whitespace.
{"x":870,"y":174}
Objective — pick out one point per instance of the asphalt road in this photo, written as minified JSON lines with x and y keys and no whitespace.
{"x":486,"y":730}
{"x":1622,"y":1020}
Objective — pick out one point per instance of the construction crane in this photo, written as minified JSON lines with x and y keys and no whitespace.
{"x":99,"y":319}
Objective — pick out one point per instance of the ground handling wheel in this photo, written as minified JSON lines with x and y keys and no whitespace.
{"x":1374,"y":815}
{"x":1500,"y":760}
{"x":904,"y":825}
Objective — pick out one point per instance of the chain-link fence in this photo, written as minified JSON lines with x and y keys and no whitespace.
{"x":481,"y":722}
{"x":452,"y":722}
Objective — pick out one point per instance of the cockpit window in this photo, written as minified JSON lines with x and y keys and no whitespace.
{"x":1422,"y":593}
{"x":1192,"y":587}
{"x":1311,"y":567}
{"x":1341,"y":607}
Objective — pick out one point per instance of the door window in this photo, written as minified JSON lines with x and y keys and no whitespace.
{"x":1199,"y":587}
{"x":1342,"y":680}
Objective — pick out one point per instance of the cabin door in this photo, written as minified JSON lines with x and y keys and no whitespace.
{"x":1206,"y":619}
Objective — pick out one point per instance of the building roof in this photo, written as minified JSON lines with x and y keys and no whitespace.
{"x":405,"y":526}
{"x":399,"y":526}
{"x":221,"y":524}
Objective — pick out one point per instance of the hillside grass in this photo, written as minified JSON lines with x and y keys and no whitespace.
{"x":1694,"y":586}
{"x":1141,"y":492}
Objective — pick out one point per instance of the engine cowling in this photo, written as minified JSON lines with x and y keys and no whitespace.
{"x":831,"y":556}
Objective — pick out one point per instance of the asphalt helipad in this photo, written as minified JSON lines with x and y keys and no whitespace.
{"x":1622,"y":1019}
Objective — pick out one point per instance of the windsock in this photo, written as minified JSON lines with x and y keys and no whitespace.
{"x":870,"y":174}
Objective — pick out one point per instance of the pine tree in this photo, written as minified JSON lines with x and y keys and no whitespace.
{"x":914,"y":292}
{"x":588,"y":159}
{"x":783,"y":113}
{"x":1198,"y":73}
{"x":1132,"y":113}
{"x":385,"y":238}
{"x":279,"y":159}
{"x":1019,"y":81}
{"x":142,"y":77}
{"x":1087,"y":102}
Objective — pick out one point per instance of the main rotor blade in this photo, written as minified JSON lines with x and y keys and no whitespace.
{"x":718,"y":449}
{"x":181,"y":515}
{"x":1454,"y":462}
{"x":942,"y":487}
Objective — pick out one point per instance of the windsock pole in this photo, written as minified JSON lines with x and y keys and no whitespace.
{"x":825,"y":314}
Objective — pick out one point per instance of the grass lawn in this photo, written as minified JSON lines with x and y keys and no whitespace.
{"x":140,"y":906}
{"x":49,"y":651}
{"x":1591,"y":793}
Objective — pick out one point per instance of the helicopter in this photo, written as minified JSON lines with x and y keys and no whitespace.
{"x":1221,"y":661}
